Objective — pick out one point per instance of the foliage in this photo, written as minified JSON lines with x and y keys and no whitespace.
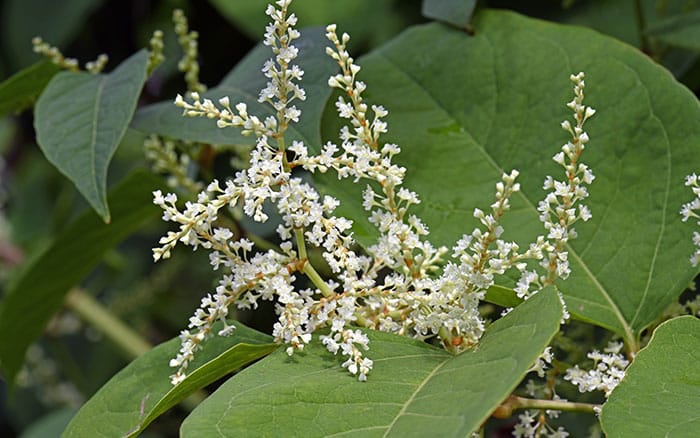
{"x":469,"y":96}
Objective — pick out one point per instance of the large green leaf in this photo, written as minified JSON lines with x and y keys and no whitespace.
{"x":242,"y":84}
{"x":660,"y":394}
{"x":21,"y":90}
{"x":142,"y":391}
{"x":80,"y":119}
{"x":465,"y":108}
{"x":38,"y":292}
{"x":413,"y":390}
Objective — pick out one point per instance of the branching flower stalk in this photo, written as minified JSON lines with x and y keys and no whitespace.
{"x":401,"y":284}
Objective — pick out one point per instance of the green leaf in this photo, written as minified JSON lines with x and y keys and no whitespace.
{"x":464,"y":109}
{"x":80,"y":119}
{"x":502,"y":296}
{"x":682,"y":30}
{"x":413,"y":390}
{"x":142,"y":391}
{"x":243,"y":84}
{"x":660,"y":394}
{"x":454,"y":12}
{"x":38,"y":292}
{"x":21,"y":90}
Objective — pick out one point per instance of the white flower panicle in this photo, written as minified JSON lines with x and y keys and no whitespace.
{"x":307,"y":217}
{"x":692,"y":210}
{"x":607,"y":372}
{"x":562,"y":207}
{"x":400,"y":285}
{"x":281,"y":89}
{"x":451,"y":308}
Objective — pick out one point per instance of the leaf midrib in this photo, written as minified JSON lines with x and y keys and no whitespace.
{"x":413,"y":395}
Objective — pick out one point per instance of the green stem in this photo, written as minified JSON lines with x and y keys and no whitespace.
{"x":317,"y":280}
{"x":94,"y":313}
{"x":301,"y":245}
{"x":514,"y":402}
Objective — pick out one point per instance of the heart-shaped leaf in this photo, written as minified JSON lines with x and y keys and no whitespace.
{"x":243,"y":84}
{"x":142,"y":391}
{"x":660,"y":394}
{"x":413,"y":390}
{"x":466,"y":108}
{"x":80,"y":119}
{"x":38,"y":292}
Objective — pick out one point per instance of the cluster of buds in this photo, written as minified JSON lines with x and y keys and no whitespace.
{"x":188,"y":42}
{"x":71,"y":64}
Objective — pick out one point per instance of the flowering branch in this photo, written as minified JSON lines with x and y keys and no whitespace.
{"x":400,"y":285}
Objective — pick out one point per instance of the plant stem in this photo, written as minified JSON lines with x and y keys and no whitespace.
{"x":301,"y":244}
{"x":514,"y":402}
{"x":94,"y":313}
{"x":308,"y":269}
{"x":317,"y":280}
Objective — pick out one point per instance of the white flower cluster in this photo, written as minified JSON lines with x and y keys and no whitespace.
{"x":691,"y":210}
{"x":307,"y":217}
{"x":562,"y":206}
{"x":450,"y":309}
{"x":608,"y":370}
{"x":541,"y":363}
{"x":400,"y":285}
